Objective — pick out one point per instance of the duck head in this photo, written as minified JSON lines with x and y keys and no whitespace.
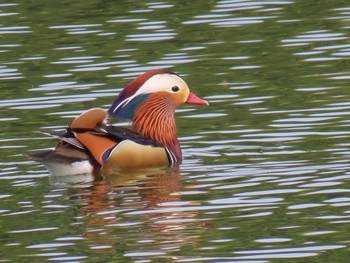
{"x":162,"y":83}
{"x":150,"y":101}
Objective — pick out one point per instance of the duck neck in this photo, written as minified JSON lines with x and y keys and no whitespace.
{"x":155,"y":119}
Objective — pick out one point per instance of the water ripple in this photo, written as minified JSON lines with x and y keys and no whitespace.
{"x":271,"y":150}
{"x":230,"y":8}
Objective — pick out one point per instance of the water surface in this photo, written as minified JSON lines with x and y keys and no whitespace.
{"x":266,"y":174}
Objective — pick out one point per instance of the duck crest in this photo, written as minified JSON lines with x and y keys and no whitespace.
{"x":126,"y":102}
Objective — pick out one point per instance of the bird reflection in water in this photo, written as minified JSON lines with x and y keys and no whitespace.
{"x":139,"y":211}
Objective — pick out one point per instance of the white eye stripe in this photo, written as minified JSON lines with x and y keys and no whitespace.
{"x":160,"y":82}
{"x":156,"y":83}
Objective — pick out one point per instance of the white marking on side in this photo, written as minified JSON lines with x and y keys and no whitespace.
{"x":63,"y":169}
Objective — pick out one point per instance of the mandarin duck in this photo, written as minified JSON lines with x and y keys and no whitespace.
{"x":89,"y":144}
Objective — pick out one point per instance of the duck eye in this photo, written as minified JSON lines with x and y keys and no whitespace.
{"x":175,"y":88}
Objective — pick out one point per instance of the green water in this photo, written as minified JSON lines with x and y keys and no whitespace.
{"x":266,"y":170}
